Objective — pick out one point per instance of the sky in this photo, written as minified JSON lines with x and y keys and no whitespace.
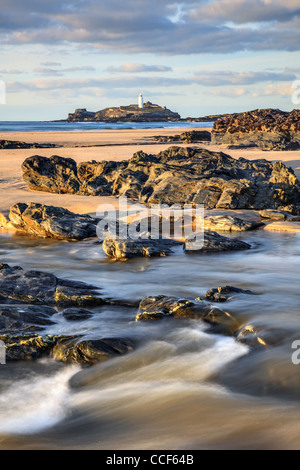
{"x":195,"y":57}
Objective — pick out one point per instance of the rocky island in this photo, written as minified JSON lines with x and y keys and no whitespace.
{"x":148,"y":112}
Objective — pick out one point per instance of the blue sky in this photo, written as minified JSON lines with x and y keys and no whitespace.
{"x":195,"y":57}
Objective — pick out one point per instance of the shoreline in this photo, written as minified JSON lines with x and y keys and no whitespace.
{"x":115,"y":145}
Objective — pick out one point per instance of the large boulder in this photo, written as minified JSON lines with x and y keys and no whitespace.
{"x":227,"y":223}
{"x":38,"y":287}
{"x":270,"y":129}
{"x":177,"y":175}
{"x":50,"y":221}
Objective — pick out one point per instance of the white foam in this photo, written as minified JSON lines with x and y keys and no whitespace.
{"x":29,"y":406}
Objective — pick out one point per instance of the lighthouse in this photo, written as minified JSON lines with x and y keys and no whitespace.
{"x":141,"y":104}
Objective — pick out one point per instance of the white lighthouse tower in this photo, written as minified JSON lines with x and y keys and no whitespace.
{"x":141,"y":103}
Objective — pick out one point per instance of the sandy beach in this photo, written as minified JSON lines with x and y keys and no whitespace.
{"x":97,"y":145}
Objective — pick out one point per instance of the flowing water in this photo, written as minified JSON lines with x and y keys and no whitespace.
{"x":183,"y":387}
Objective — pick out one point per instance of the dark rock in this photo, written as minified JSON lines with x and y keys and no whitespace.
{"x":76,"y":314}
{"x":161,"y":306}
{"x":221,"y":294}
{"x":177,"y":175}
{"x":90,"y":351}
{"x":213,"y":242}
{"x":14,"y":144}
{"x":27,"y":347}
{"x":38,"y":287}
{"x":186,"y":137}
{"x":55,"y":174}
{"x":269,"y":129}
{"x":49,"y":221}
{"x":16,"y":318}
{"x":131,"y":248}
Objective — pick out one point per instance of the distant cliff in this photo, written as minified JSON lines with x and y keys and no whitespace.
{"x":132,"y":113}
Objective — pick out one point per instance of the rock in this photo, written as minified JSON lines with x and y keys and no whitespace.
{"x":227,"y":223}
{"x":177,"y":175}
{"x":274,"y":214}
{"x":55,"y":174}
{"x":269,"y":129}
{"x":259,"y":336}
{"x":186,"y":137}
{"x":49,"y":221}
{"x":64,"y":348}
{"x":213,"y":242}
{"x":161,"y":306}
{"x":17,"y":318}
{"x":90,"y":352}
{"x":132,"y":248}
{"x":27,"y":347}
{"x":14,"y":144}
{"x":76,"y":314}
{"x":221,"y":294}
{"x":37,"y":287}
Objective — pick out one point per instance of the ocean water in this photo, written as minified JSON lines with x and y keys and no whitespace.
{"x":183,"y":387}
{"x":45,"y":126}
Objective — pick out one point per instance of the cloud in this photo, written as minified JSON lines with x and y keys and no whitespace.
{"x":59,"y":72}
{"x":156,"y":26}
{"x":11,"y":72}
{"x":226,"y":77}
{"x":137,"y":68}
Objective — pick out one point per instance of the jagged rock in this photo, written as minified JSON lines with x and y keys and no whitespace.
{"x":63,"y":348}
{"x":177,"y":175}
{"x":227,"y":223}
{"x":49,"y":221}
{"x":27,"y":347}
{"x":213,"y":242}
{"x":38,"y":287}
{"x":161,"y":306}
{"x":55,"y":174}
{"x":222,"y":293}
{"x":270,"y":129}
{"x":131,"y":248}
{"x":90,"y":351}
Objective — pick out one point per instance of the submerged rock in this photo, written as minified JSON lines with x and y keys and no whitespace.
{"x":177,"y":175}
{"x":50,"y":221}
{"x":76,"y":314}
{"x":38,"y":287}
{"x":16,"y":318}
{"x":213,"y":242}
{"x":221,"y":294}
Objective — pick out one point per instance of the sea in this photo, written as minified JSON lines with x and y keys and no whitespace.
{"x":46,"y":126}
